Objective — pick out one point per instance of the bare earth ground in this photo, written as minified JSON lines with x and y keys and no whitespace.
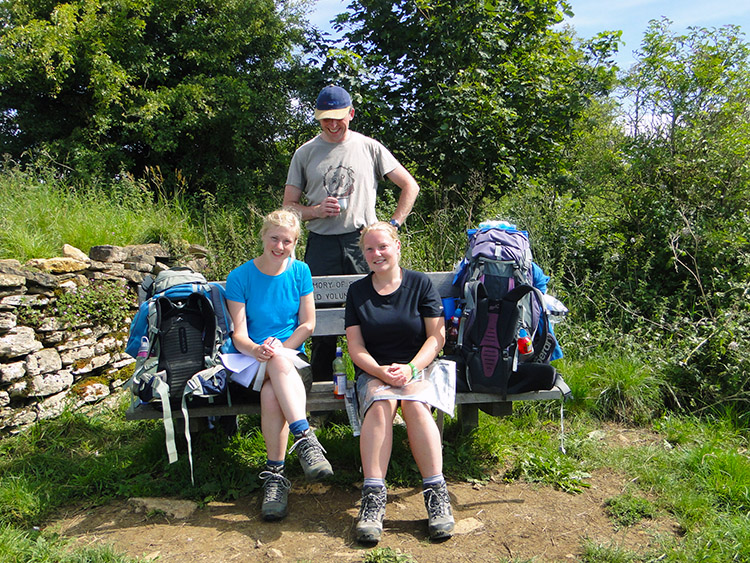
{"x":495,"y":522}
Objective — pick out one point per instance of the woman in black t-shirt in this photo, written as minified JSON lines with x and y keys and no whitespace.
{"x":394,"y":330}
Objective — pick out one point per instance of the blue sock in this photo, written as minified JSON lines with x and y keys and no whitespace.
{"x":298,"y":427}
{"x":434,"y":480}
{"x":274,"y":465}
{"x":373,"y":482}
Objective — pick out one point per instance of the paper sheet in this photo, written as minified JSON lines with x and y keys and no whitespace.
{"x":246,"y":370}
{"x":435,"y":385}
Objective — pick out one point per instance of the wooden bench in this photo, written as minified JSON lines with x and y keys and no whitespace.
{"x":330,"y":296}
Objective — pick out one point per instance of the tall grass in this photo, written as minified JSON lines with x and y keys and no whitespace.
{"x":42,"y":212}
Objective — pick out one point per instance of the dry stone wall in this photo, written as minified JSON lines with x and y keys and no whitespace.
{"x":46,"y":364}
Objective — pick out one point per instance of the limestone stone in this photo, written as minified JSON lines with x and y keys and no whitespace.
{"x":108,"y":253}
{"x":106,"y":344}
{"x":93,"y":393}
{"x":18,"y":341}
{"x":153,"y":249}
{"x":121,"y":363}
{"x":35,"y":282}
{"x":10,"y":302}
{"x":69,"y":357}
{"x":57,"y":265}
{"x":104,"y":276}
{"x":173,"y":508}
{"x":44,"y":361}
{"x":50,"y":324}
{"x":97,"y":266}
{"x":159,"y":267}
{"x":84,"y":337}
{"x":37,"y":301}
{"x":70,"y":251}
{"x":139,"y":266}
{"x":19,"y":389}
{"x":51,"y":339}
{"x":45,"y":385}
{"x":7,"y":321}
{"x":133,"y":276}
{"x":23,"y":417}
{"x":12,"y":372}
{"x":141,"y":258}
{"x":4,"y":399}
{"x":11,"y":280}
{"x":198,"y":264}
{"x":198,"y":250}
{"x":52,"y":406}
{"x":69,"y":285}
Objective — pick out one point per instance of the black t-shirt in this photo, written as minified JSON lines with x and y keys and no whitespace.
{"x":392,"y":325}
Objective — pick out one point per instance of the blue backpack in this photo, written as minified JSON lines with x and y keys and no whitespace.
{"x":177,"y":336}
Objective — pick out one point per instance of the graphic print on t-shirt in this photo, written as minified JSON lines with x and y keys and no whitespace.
{"x":338,"y":181}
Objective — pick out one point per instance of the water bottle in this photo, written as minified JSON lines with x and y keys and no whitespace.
{"x":350,"y":402}
{"x":339,"y":375}
{"x":143,"y":350}
{"x":556,"y":311}
{"x":525,"y":346}
{"x":451,"y":334}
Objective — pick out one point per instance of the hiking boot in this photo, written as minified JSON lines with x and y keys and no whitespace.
{"x":439,"y":514}
{"x":371,"y":514}
{"x":314,"y":463}
{"x":275,"y":493}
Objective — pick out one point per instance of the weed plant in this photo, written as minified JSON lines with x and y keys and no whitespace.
{"x":387,"y":555}
{"x":628,"y":509}
{"x":103,"y":303}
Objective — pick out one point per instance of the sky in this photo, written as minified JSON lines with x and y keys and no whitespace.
{"x":629,"y":16}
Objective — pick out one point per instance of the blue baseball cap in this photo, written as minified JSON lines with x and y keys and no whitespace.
{"x":333,"y":103}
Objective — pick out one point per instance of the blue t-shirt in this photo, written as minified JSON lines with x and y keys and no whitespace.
{"x":271,"y":302}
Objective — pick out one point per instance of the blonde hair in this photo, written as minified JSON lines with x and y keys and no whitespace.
{"x":285,"y":217}
{"x":387,"y":228}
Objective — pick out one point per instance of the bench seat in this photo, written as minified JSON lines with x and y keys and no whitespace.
{"x":330,"y":294}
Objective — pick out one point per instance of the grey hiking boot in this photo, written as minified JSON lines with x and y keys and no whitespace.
{"x":275,"y":493}
{"x":439,"y":514}
{"x":371,"y":514}
{"x":310,"y":453}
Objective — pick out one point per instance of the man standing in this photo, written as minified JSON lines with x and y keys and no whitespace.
{"x":338,"y":172}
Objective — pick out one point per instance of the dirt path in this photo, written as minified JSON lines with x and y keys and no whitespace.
{"x":494,"y":522}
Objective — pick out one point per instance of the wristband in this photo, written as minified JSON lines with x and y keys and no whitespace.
{"x":413,"y":370}
{"x":395,"y":224}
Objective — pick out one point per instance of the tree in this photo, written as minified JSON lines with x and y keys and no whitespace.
{"x":670,"y":216}
{"x":468,"y":89}
{"x":194,"y":88}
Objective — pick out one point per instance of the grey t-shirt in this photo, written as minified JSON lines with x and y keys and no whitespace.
{"x":350,"y":169}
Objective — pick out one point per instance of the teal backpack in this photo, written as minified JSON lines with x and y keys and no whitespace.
{"x":177,"y":336}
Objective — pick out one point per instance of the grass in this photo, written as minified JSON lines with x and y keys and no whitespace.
{"x":42,"y":212}
{"x":695,"y":470}
{"x":628,"y":509}
{"x":18,"y":546}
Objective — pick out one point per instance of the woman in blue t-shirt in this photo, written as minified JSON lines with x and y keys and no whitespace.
{"x":271,"y":301}
{"x":395,"y":329}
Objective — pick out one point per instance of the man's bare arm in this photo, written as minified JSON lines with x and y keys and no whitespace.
{"x":409,"y":191}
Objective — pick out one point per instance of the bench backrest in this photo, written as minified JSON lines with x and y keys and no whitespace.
{"x":330,"y":297}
